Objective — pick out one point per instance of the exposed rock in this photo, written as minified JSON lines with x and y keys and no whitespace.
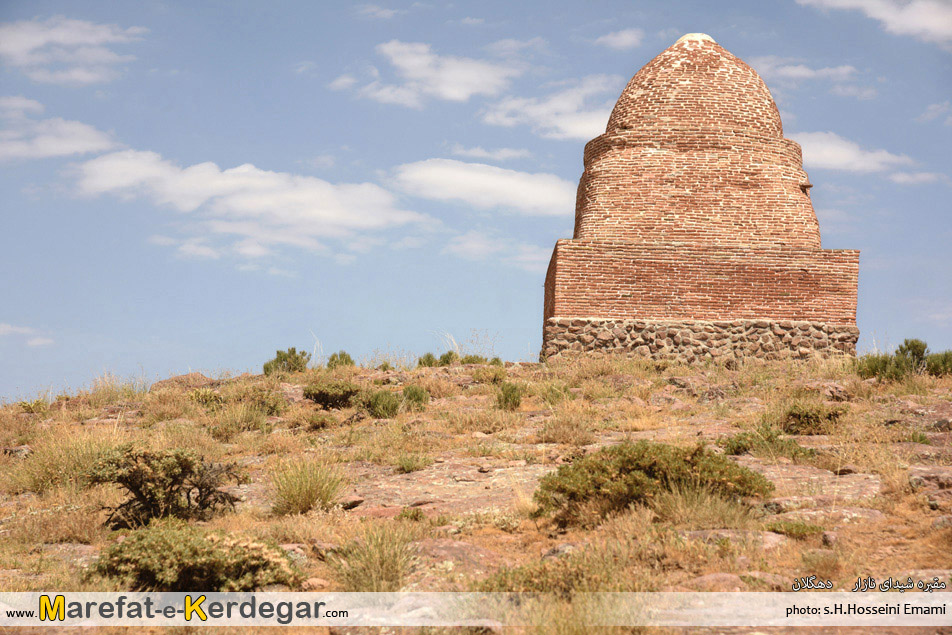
{"x":316,"y":584}
{"x":829,"y":538}
{"x":350,"y":502}
{"x":561,"y":550}
{"x":766,"y":539}
{"x":292,"y":393}
{"x":20,"y":451}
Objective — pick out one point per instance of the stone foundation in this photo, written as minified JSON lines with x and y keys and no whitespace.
{"x":692,"y":340}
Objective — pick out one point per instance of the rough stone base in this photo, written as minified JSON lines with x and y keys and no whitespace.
{"x":691,"y":340}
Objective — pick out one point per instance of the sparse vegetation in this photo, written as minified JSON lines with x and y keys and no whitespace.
{"x":415,"y":398}
{"x":339,"y":360}
{"x":804,"y":417}
{"x":332,"y":394}
{"x":378,"y":561}
{"x":509,"y":396}
{"x":473,"y":359}
{"x":382,"y":404}
{"x":428,"y":360}
{"x":164,"y":484}
{"x":407,"y":463}
{"x":449,"y":358}
{"x":764,"y":440}
{"x":489,"y":375}
{"x":616,"y":477}
{"x":911,"y":357}
{"x":177,"y":557}
{"x":302,"y":485}
{"x":289,"y":361}
{"x":794,"y":528}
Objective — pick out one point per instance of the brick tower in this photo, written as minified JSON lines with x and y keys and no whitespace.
{"x":694,"y":232}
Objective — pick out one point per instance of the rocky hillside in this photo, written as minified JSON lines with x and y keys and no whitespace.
{"x":479,"y":476}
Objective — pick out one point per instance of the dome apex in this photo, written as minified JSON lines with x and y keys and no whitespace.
{"x":698,"y":37}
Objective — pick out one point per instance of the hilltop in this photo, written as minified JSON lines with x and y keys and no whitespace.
{"x":428,"y":478}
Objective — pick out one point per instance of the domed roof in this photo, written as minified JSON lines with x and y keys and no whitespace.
{"x":696,"y":84}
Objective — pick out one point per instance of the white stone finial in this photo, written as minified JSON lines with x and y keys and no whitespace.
{"x":697,"y":37}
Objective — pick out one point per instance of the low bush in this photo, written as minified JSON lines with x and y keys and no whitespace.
{"x":914,"y":350}
{"x":407,"y":463}
{"x":428,"y":360}
{"x":339,"y":360}
{"x":60,"y":460}
{"x":378,"y":561}
{"x":764,"y":440}
{"x":320,"y":421}
{"x":495,"y":361}
{"x":449,"y":358}
{"x":614,"y":478}
{"x":177,"y":558}
{"x":939,"y":363}
{"x":334,"y":394}
{"x":912,"y":356}
{"x":381,"y":404}
{"x":509,"y":396}
{"x":415,"y":398}
{"x":207,"y":398}
{"x":302,"y":485}
{"x":235,"y":418}
{"x":806,"y":417}
{"x":796,"y":529}
{"x":489,"y":375}
{"x":473,"y":359}
{"x":289,"y":361}
{"x":34,"y":406}
{"x":163,"y":484}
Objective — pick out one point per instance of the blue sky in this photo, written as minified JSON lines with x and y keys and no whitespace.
{"x":192,"y":185}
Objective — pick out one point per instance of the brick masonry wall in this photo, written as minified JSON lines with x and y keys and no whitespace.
{"x":693,"y":208}
{"x":691,"y":341}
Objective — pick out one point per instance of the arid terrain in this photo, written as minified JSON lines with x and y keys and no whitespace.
{"x":440,"y":494}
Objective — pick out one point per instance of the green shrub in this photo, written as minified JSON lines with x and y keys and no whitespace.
{"x":302,"y":485}
{"x":802,"y":417}
{"x":382,"y":404}
{"x":495,"y":361}
{"x":473,"y":359}
{"x":180,"y":558}
{"x":289,"y":361}
{"x":335,"y":394}
{"x":765,"y":440}
{"x":37,"y":406}
{"x":320,"y":421}
{"x":234,"y":418}
{"x":413,"y":514}
{"x":385,"y":366}
{"x":939,"y":364}
{"x":555,"y":392}
{"x":884,"y":366}
{"x":614,"y":478}
{"x":407,"y":463}
{"x":449,"y":358}
{"x":415,"y":398}
{"x":268,"y":402}
{"x":490,"y":375}
{"x":428,"y":360}
{"x":339,"y":359}
{"x":378,"y":561}
{"x":796,"y":529}
{"x":914,"y":350}
{"x":509,"y":396}
{"x":207,"y":398}
{"x":164,"y":483}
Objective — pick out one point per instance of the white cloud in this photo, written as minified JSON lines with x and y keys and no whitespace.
{"x":499,"y":154}
{"x":472,"y":21}
{"x":478,"y":246}
{"x":790,"y":72}
{"x":927,"y":20}
{"x":64,"y":51}
{"x":259,"y":207}
{"x":916,"y":178}
{"x":343,"y":82}
{"x":425,"y":74}
{"x":33,"y":338}
{"x":487,"y":186}
{"x":934,"y":111}
{"x":304,"y":67}
{"x":830,"y":151}
{"x":322,"y":161}
{"x":26,"y":138}
{"x":852,"y":90}
{"x":377,"y":12}
{"x":774,"y":67}
{"x":622,"y":40}
{"x":578,"y":112}
{"x":512,"y":47}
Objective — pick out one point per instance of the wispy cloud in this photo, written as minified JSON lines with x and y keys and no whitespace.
{"x":60,"y":50}
{"x":926,"y":20}
{"x":579,"y":111}
{"x":28,"y":334}
{"x":937,"y":111}
{"x":487,"y":187}
{"x":622,"y":40}
{"x":23,"y":137}
{"x":830,"y":151}
{"x":790,"y":72}
{"x":376,"y":12}
{"x":422,"y":75}
{"x":916,"y":178}
{"x":481,"y":246}
{"x":499,"y":154}
{"x":512,"y":47}
{"x":257,"y":208}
